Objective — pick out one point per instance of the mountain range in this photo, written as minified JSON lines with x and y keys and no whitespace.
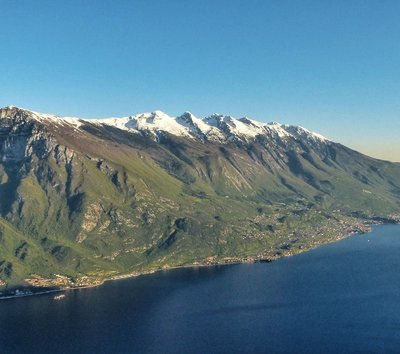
{"x":84,"y":200}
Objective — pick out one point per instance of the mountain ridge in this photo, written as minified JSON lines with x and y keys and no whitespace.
{"x":213,"y":126}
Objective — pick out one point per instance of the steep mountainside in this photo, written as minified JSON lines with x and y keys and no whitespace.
{"x":86,"y":200}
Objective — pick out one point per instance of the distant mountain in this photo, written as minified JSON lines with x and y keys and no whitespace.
{"x":86,"y":200}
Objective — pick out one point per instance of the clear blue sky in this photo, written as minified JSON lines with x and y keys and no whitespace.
{"x":329,"y":65}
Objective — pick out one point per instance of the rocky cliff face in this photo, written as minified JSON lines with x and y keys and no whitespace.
{"x":94,"y":199}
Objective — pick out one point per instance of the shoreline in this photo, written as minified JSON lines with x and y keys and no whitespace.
{"x":31,"y":292}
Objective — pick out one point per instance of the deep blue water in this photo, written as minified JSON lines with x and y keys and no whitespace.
{"x":342,"y":297}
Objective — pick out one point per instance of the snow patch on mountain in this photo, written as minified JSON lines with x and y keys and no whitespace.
{"x":301,"y":133}
{"x":232,"y":127}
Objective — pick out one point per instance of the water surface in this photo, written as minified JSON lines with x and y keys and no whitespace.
{"x":342,"y":297}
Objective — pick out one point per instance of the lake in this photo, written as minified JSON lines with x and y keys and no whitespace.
{"x":342,"y":297}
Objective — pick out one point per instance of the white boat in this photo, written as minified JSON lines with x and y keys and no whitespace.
{"x":59,"y":297}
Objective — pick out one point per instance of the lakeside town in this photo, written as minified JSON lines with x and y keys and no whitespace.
{"x":293,"y":244}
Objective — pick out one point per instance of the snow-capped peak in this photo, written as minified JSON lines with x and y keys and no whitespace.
{"x":216,"y":127}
